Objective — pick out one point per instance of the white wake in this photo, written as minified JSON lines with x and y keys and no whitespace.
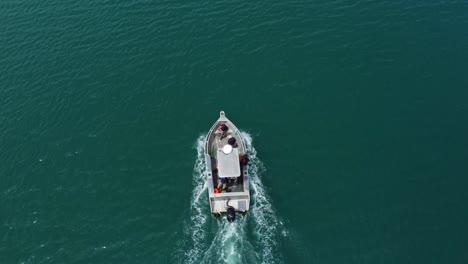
{"x":250,"y":239}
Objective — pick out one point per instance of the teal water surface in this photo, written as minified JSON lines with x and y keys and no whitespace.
{"x":355,"y":114}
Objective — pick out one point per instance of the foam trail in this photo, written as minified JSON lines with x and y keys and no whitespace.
{"x":196,"y":229}
{"x":230,"y":241}
{"x":266,"y":223}
{"x":230,"y":244}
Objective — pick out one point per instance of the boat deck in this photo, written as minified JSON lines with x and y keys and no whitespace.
{"x":237,"y":178}
{"x":240,"y":203}
{"x":218,"y":143}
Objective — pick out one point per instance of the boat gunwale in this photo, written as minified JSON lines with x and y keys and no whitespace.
{"x":245,"y":194}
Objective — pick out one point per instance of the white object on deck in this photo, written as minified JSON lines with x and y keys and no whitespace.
{"x":227,"y":149}
{"x":228,"y":163}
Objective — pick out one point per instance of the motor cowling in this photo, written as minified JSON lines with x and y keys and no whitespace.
{"x":231,"y":214}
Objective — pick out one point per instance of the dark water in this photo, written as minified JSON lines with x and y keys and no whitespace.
{"x":355,"y":113}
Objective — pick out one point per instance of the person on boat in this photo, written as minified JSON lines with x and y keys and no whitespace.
{"x":244,"y":160}
{"x":222,"y":130}
{"x":222,"y":183}
{"x":232,"y":142}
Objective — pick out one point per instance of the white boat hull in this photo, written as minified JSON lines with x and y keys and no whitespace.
{"x":237,"y":194}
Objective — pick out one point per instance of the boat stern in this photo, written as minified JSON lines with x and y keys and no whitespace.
{"x":219,"y":203}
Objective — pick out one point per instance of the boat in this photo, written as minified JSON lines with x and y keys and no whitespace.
{"x":227,"y":169}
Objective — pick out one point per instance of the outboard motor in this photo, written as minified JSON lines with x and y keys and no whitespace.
{"x":231,"y":213}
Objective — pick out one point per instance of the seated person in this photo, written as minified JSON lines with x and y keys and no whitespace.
{"x":222,"y":130}
{"x":232,"y":142}
{"x":244,"y":160}
{"x":222,"y":183}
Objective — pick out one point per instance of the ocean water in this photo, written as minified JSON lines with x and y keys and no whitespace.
{"x":355,"y":114}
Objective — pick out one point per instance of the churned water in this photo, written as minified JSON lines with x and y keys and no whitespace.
{"x":254,"y":238}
